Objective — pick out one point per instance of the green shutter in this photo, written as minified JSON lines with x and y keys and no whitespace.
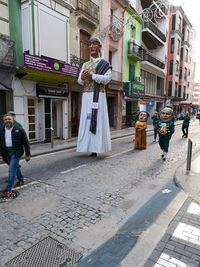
{"x":131,"y":72}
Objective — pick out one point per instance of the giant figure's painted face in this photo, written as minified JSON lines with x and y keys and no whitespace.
{"x":166,"y":114}
{"x":143,"y":116}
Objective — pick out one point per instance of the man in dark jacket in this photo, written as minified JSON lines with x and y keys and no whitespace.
{"x":13,"y":141}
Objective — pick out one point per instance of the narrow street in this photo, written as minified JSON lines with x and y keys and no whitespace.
{"x":82,"y":201}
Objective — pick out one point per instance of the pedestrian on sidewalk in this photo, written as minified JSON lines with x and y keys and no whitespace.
{"x":155,"y":119}
{"x":140,"y":130}
{"x":185,"y":125}
{"x":165,"y":129}
{"x":94,"y":130}
{"x":12,"y":113}
{"x":13,"y":141}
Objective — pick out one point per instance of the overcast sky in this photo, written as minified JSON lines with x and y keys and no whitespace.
{"x":192,"y":10}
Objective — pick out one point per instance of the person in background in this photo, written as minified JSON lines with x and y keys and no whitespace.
{"x":12,"y":113}
{"x":140,"y":130}
{"x":137,"y":116}
{"x":155,"y":119}
{"x":94,"y":130}
{"x":185,"y":125}
{"x":13,"y":141}
{"x":165,"y":130}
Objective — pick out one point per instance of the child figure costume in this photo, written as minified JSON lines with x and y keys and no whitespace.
{"x":140,"y":131}
{"x":165,"y":129}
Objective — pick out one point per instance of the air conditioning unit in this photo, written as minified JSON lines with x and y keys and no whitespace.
{"x":138,"y":79}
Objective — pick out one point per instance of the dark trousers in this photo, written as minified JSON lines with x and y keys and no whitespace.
{"x":164,"y":142}
{"x":185,"y":130}
{"x":155,"y":133}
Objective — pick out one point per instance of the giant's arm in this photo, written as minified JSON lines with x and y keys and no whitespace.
{"x":104,"y":79}
{"x":80,"y":81}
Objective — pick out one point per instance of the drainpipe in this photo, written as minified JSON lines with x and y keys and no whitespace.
{"x":33,"y":25}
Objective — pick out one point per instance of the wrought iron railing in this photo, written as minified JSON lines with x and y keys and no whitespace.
{"x":150,"y":25}
{"x":116,"y":28}
{"x":76,"y":61}
{"x":152,"y":59}
{"x":134,"y":49}
{"x":7,"y":55}
{"x":89,"y":8}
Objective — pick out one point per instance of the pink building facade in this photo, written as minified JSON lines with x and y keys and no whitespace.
{"x":112,"y":14}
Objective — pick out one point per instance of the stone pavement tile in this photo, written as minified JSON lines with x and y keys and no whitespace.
{"x":180,"y":245}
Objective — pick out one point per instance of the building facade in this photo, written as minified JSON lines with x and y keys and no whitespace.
{"x":112,"y":49}
{"x":7,"y":61}
{"x":40,"y":87}
{"x":84,"y":23}
{"x":196,"y":99}
{"x":180,"y":65}
{"x":153,"y":66}
{"x":132,"y":57}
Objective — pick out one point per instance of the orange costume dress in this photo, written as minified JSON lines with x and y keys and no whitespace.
{"x":140,"y":135}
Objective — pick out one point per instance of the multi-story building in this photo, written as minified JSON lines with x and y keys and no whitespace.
{"x":154,"y":42}
{"x":7,"y":61}
{"x":133,"y":55}
{"x":180,"y":65}
{"x":112,"y":48}
{"x":84,"y":23}
{"x":196,"y":99}
{"x":40,"y":87}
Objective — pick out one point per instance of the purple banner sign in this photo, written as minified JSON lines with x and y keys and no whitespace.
{"x":38,"y":63}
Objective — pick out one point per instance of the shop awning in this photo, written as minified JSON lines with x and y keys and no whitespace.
{"x":47,"y":71}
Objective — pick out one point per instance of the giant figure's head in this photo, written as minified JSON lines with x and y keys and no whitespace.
{"x":94,"y":47}
{"x":143,"y":116}
{"x":166,"y":114}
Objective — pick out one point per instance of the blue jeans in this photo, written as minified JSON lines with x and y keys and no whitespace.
{"x":13,"y":170}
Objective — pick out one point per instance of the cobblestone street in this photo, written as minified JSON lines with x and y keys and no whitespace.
{"x":84,"y":207}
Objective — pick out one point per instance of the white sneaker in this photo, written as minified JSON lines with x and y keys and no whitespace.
{"x":164,"y":156}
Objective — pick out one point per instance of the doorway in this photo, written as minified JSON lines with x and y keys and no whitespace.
{"x":111,"y":104}
{"x":74,"y":113}
{"x":57,"y":122}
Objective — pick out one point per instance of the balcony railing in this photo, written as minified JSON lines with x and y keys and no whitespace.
{"x":116,"y":76}
{"x":134,"y":49}
{"x":154,"y":29}
{"x":75,"y":61}
{"x":116,"y":28}
{"x":152,"y":59}
{"x":7,"y":55}
{"x":88,"y":7}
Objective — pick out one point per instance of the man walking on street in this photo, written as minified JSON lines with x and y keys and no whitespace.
{"x":13,"y":141}
{"x":94,"y":130}
{"x":155,"y":119}
{"x":185,"y":125}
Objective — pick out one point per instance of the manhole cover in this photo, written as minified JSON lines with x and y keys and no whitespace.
{"x":13,"y":195}
{"x":46,"y":253}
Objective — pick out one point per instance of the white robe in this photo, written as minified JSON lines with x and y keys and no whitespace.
{"x":87,"y":141}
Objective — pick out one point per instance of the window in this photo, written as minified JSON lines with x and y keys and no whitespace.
{"x":171,"y":67}
{"x":172,"y":45}
{"x":178,"y":46}
{"x":179,"y":91}
{"x":177,"y":65}
{"x":173,"y":22}
{"x":188,"y":72}
{"x":131,"y":72}
{"x":188,"y":35}
{"x":185,"y":74}
{"x":31,"y":119}
{"x":176,"y":89}
{"x":186,"y":55}
{"x":184,"y":91}
{"x":180,"y":73}
{"x":84,"y":45}
{"x":169,"y":88}
{"x":188,"y":85}
{"x":181,"y":53}
{"x":110,"y":57}
{"x":179,"y":23}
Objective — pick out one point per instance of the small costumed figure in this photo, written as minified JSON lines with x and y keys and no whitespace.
{"x":165,"y":130}
{"x":140,"y":130}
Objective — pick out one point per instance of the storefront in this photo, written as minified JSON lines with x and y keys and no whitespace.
{"x":133,"y":93}
{"x":41,"y":92}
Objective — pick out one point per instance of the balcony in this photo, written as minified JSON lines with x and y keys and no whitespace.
{"x":88,"y":11}
{"x":135,"y":51}
{"x":153,"y":60}
{"x":185,"y":43}
{"x":146,"y":3}
{"x":76,"y":61}
{"x":116,"y":29}
{"x":152,"y":36}
{"x":7,"y":55}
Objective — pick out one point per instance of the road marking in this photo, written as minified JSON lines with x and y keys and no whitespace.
{"x":73,"y":169}
{"x":117,"y":154}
